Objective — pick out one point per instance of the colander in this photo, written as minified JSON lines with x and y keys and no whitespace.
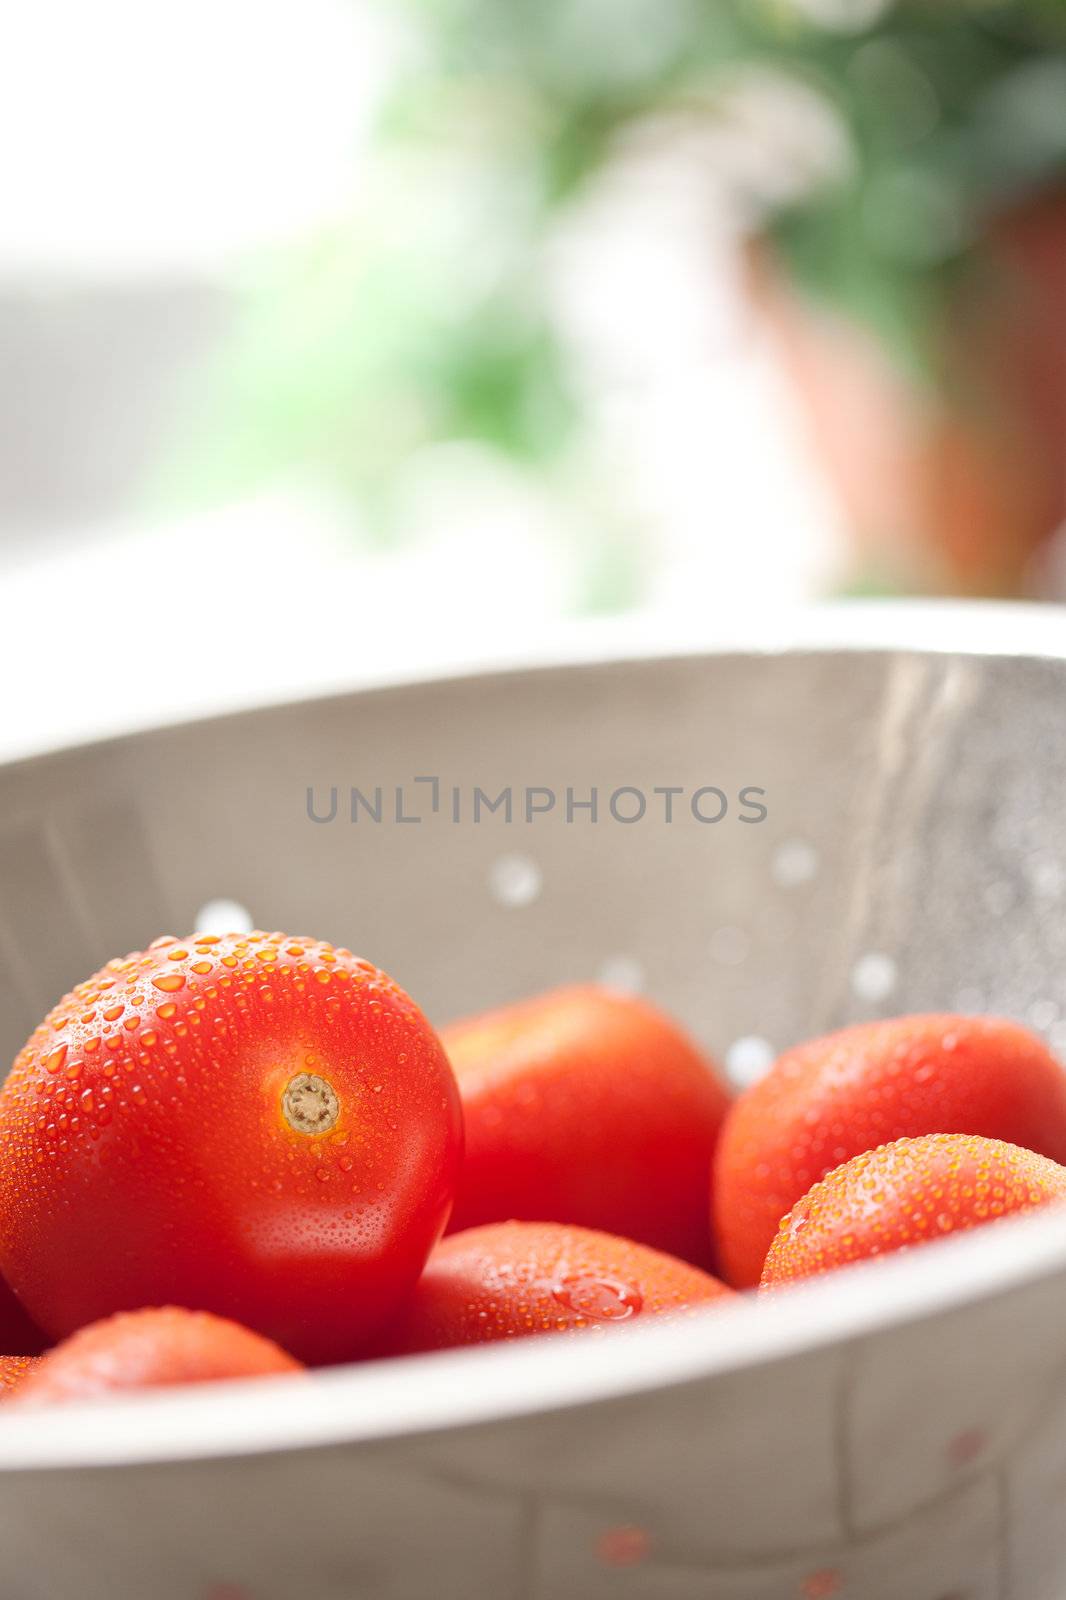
{"x":896,"y":1432}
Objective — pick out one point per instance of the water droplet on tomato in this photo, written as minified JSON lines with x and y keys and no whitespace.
{"x":604,"y":1299}
{"x":169,"y":982}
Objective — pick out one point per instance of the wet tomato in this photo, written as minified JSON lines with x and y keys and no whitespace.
{"x":834,"y":1098}
{"x":17,"y":1333}
{"x":590,"y":1107}
{"x":14,"y":1370}
{"x":149,"y":1349}
{"x":512,"y":1279}
{"x":255,"y":1125}
{"x":908,"y":1193}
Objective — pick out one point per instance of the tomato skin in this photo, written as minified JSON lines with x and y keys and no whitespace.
{"x":834,"y":1098}
{"x":509,"y":1280}
{"x":149,"y":1156}
{"x":18,"y":1333}
{"x":905,"y":1194}
{"x":14,"y":1370}
{"x":151,"y":1348}
{"x":588,"y":1107}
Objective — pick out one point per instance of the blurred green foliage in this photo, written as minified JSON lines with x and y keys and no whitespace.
{"x":425,"y":318}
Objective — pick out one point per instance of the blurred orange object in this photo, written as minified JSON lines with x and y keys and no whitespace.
{"x":956,"y":486}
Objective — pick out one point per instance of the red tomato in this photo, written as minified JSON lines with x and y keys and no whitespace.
{"x":14,"y":1370}
{"x":908,"y":1193}
{"x":590,"y":1107}
{"x":259,"y":1126}
{"x":512,"y":1279}
{"x":833,"y":1098}
{"x":17,"y":1332}
{"x":148,"y":1349}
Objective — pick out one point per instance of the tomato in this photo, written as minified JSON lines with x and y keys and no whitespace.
{"x":905,"y":1194}
{"x":254,"y":1125}
{"x":590,"y":1107}
{"x":14,"y":1370}
{"x":17,"y":1333}
{"x":508,"y":1280}
{"x":149,"y":1349}
{"x":833,"y":1098}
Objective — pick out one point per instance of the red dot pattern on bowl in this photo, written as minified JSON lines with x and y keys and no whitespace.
{"x":822,"y":1584}
{"x":967,"y":1446}
{"x":625,"y":1546}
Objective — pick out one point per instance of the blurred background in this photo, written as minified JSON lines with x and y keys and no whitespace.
{"x":344,"y":337}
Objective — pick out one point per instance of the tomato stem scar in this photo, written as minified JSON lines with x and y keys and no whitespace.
{"x":310,"y":1104}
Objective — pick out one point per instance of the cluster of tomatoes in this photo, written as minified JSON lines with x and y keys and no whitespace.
{"x":232,"y":1156}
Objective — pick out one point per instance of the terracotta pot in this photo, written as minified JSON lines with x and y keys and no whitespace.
{"x":956,"y":486}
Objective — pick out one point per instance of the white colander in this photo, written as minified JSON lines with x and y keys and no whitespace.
{"x":895,"y":1433}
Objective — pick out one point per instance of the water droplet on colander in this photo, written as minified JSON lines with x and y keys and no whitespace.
{"x":603,"y":1299}
{"x":874,"y":976}
{"x":223,"y":916}
{"x":794,"y":862}
{"x":1048,"y":877}
{"x":515,"y":880}
{"x":747,"y":1059}
{"x":1042,"y":1015}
